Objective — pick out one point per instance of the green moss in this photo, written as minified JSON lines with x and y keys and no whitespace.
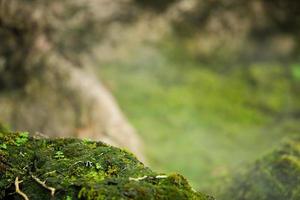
{"x":77,"y":169}
{"x":274,"y":177}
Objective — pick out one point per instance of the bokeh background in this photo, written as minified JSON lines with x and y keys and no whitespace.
{"x":208,"y":85}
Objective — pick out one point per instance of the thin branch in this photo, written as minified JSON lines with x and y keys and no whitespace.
{"x":43,"y":183}
{"x":144,"y":177}
{"x":17,"y":182}
{"x":161,"y":176}
{"x":137,"y":179}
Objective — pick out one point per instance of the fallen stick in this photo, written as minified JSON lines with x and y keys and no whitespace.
{"x":43,"y":183}
{"x":17,"y":182}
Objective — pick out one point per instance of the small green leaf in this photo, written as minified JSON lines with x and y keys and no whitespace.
{"x":24,"y":134}
{"x":22,"y":139}
{"x":59,"y":155}
{"x":98,"y":166}
{"x":69,"y":198}
{"x":3,"y":146}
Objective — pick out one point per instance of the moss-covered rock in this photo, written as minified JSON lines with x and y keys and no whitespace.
{"x":38,"y":168}
{"x":274,"y":177}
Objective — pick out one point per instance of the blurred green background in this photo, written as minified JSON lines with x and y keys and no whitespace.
{"x":215,"y":92}
{"x":199,"y":120}
{"x":209,"y":85}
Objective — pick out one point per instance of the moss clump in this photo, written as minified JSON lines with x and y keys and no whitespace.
{"x":274,"y":177}
{"x":79,"y":169}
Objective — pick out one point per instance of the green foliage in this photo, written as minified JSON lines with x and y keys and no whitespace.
{"x":273,"y":177}
{"x":79,"y":170}
{"x":68,"y":198}
{"x":59,"y":155}
{"x":3,"y":146}
{"x":22,"y":138}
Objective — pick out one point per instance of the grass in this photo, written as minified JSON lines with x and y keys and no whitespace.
{"x":195,"y":120}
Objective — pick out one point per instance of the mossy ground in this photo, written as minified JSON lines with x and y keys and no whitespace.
{"x":274,"y":177}
{"x":80,"y":169}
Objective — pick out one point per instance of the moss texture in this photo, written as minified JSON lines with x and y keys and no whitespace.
{"x":274,"y":177}
{"x":79,"y":169}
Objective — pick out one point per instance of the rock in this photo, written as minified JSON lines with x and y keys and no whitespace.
{"x":40,"y":168}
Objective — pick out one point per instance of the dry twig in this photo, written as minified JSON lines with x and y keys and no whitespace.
{"x":17,"y":182}
{"x":43,"y":183}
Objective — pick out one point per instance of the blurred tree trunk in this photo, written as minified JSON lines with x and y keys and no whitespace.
{"x":44,"y":83}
